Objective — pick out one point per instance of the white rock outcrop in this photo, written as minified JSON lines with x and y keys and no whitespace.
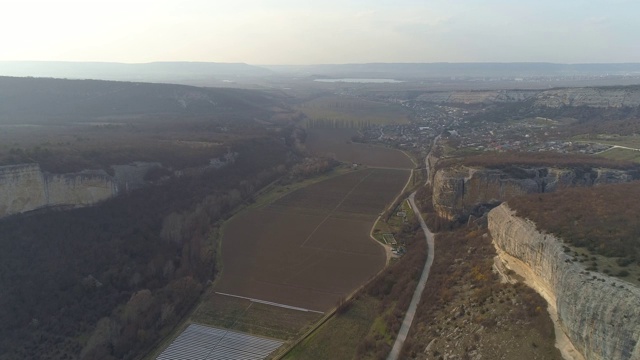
{"x":599,"y":314}
{"x":22,"y":188}
{"x":26,"y":187}
{"x":596,"y":97}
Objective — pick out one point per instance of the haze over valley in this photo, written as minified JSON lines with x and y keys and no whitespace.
{"x":294,"y":180}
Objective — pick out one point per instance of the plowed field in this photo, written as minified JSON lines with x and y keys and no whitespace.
{"x":311,"y":247}
{"x":336,"y":143}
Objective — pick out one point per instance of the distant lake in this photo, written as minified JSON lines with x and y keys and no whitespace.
{"x":352,"y":80}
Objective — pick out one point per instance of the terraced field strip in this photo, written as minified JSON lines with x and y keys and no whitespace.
{"x":198,"y":342}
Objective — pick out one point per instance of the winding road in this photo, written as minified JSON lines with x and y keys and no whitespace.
{"x":426,"y":159}
{"x":415,"y":300}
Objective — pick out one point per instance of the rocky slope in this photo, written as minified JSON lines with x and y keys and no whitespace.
{"x":597,"y":313}
{"x":462,"y":191}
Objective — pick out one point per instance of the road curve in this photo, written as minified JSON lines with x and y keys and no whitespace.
{"x":417,"y":294}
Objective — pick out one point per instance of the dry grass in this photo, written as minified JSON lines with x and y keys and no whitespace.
{"x":354,"y":110}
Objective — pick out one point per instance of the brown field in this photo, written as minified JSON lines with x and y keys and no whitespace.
{"x":336,"y":143}
{"x":352,"y":109}
{"x":251,"y":317}
{"x":311,"y":247}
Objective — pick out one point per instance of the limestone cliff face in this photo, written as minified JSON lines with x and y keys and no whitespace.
{"x":22,"y":188}
{"x":604,"y":97}
{"x":80,"y":189}
{"x":26,"y":187}
{"x":461,"y":191}
{"x":478,"y":97}
{"x":599,"y":314}
{"x":597,"y":97}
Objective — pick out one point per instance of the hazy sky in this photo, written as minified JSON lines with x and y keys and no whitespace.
{"x":321,"y":31}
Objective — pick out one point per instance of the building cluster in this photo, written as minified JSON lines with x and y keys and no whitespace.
{"x":473,"y":136}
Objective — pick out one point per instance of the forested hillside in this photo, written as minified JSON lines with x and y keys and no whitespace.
{"x":37,"y":100}
{"x":106,"y":282}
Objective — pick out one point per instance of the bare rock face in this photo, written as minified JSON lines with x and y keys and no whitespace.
{"x":462,"y":191}
{"x":603,"y":97}
{"x":22,"y":188}
{"x":598,"y":313}
{"x":26,"y":187}
{"x":478,"y":97}
{"x":597,"y":97}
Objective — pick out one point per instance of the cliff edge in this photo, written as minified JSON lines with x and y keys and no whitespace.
{"x":597,"y":313}
{"x":26,"y":187}
{"x":461,"y":191}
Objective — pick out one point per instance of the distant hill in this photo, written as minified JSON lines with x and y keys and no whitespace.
{"x":38,"y":100}
{"x":439,"y":70}
{"x":153,"y":72}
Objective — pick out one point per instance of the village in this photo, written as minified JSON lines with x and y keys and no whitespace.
{"x":467,"y":136}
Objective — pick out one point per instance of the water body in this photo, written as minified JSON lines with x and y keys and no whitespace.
{"x":364,"y":81}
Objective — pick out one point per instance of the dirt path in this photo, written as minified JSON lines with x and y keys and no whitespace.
{"x":415,"y":300}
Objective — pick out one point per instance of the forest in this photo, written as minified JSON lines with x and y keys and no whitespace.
{"x":602,"y":219}
{"x":107,"y":282}
{"x":110,"y":281}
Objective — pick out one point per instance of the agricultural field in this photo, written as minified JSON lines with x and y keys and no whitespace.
{"x":622,"y":154}
{"x":354,"y":110}
{"x":208,"y":343}
{"x":336,"y":143}
{"x":243,"y":315}
{"x":632,"y":141}
{"x":310,"y":248}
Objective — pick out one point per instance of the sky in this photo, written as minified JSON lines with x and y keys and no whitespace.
{"x":292,"y":32}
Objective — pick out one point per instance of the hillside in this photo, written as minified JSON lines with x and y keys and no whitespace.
{"x":107,"y":282}
{"x":37,"y":100}
{"x":443,"y":69}
{"x":154,"y":72}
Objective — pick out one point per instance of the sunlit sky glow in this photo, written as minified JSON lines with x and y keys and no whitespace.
{"x":315,"y":32}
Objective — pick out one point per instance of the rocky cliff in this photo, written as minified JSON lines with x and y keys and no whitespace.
{"x":26,"y":187}
{"x":461,"y":191}
{"x":598,"y":97}
{"x":478,"y":97}
{"x":604,"y":97}
{"x":597,"y":313}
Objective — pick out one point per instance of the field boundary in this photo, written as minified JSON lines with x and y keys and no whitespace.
{"x":270,"y":303}
{"x":334,"y":209}
{"x":387,"y":248}
{"x":330,"y":314}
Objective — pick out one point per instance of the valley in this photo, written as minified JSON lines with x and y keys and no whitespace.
{"x":280,"y":217}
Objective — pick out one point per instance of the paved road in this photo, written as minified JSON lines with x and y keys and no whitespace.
{"x":426,"y":159}
{"x":415,"y":300}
